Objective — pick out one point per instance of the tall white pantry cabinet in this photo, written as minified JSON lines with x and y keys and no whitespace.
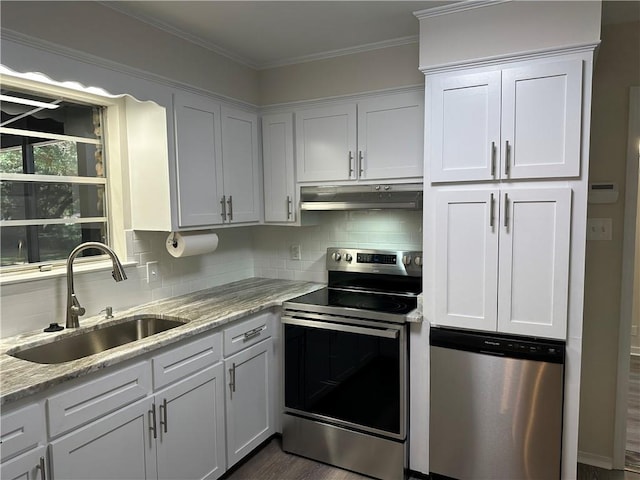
{"x":505,"y":191}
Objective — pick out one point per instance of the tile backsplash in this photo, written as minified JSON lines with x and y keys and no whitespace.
{"x":242,"y":252}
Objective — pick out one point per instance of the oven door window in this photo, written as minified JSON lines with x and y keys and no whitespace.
{"x":350,"y":377}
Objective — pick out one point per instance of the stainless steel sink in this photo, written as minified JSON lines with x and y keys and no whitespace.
{"x":95,"y":341}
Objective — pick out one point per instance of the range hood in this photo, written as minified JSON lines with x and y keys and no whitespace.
{"x":362,"y":197}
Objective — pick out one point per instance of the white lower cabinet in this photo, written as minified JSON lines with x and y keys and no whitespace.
{"x":190,"y":427}
{"x":28,"y":466}
{"x":119,"y":446}
{"x":502,"y":260}
{"x":249,"y":400}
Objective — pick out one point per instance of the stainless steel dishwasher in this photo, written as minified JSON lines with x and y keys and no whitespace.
{"x":495,"y":406}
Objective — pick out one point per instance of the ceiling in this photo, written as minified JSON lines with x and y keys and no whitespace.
{"x":264,"y":34}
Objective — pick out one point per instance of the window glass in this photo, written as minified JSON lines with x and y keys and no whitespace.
{"x":43,"y":219}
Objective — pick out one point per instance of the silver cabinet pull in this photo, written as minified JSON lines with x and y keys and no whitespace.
{"x":252,"y":333}
{"x":493,"y":159}
{"x":506,"y":158}
{"x":232,"y":379}
{"x":289,"y":204}
{"x":152,"y":420}
{"x":491,"y":211}
{"x":350,"y":163}
{"x":360,"y":157}
{"x":506,"y":210}
{"x":230,"y":203}
{"x":223,"y":204}
{"x":163,"y":415}
{"x":41,"y":467}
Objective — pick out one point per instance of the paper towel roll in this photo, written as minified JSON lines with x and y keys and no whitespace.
{"x":191,"y":243}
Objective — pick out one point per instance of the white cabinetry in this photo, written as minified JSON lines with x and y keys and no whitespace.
{"x":250,"y":394}
{"x":217,"y":167}
{"x":502,"y":259}
{"x":22,"y":435}
{"x":516,"y":122}
{"x":379,"y":138}
{"x":279,"y":177}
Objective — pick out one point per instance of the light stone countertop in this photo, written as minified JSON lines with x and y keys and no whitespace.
{"x":203,"y":310}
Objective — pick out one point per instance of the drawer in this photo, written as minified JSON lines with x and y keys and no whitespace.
{"x":90,"y":400}
{"x":247,"y":333}
{"x":186,"y":359}
{"x":21,"y":430}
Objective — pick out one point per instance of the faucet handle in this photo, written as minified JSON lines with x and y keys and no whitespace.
{"x":75,"y":308}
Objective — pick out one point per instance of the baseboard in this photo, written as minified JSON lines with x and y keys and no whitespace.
{"x":595,"y":460}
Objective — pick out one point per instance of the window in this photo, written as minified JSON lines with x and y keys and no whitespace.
{"x":52,"y":178}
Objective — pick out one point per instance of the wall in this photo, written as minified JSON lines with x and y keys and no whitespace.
{"x":98,"y":30}
{"x":361,"y":72}
{"x":617,"y":68}
{"x":522,"y":26}
{"x":388,"y":229}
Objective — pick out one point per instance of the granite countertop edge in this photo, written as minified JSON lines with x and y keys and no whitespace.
{"x":203,"y":310}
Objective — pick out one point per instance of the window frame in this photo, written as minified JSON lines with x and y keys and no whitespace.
{"x":113,"y":181}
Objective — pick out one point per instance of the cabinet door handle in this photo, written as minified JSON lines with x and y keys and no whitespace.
{"x":350,"y":163}
{"x":232,"y":379}
{"x":493,"y":159}
{"x":223,"y":204}
{"x":230,"y":203}
{"x":41,"y":467}
{"x":152,"y":420}
{"x":491,"y":211}
{"x":289,"y":204}
{"x":506,"y":158}
{"x":506,"y":210}
{"x":163,"y":415}
{"x":360,"y":157}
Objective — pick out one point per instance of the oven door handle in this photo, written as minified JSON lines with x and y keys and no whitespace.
{"x":386,"y":333}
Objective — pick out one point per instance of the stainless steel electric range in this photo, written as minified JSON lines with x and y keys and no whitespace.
{"x":345,"y":362}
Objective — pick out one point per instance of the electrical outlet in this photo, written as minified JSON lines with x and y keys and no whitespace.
{"x":153,"y":274}
{"x":599,"y":228}
{"x":294,"y":251}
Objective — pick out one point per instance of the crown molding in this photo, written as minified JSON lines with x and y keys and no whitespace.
{"x":456,"y":7}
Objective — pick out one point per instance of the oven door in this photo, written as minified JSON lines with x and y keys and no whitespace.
{"x":346,"y":371}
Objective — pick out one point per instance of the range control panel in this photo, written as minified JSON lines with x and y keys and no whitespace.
{"x":375,"y":261}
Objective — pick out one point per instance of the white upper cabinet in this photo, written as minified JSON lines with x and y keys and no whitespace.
{"x":198,"y":160}
{"x":502,"y":260}
{"x":240,"y":169}
{"x":379,"y":138}
{"x":278,"y":160}
{"x":217,"y":170}
{"x":512,"y":123}
{"x":326,"y":143}
{"x":390,"y":137}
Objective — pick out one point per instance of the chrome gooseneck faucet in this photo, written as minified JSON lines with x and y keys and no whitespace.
{"x":74,"y":309}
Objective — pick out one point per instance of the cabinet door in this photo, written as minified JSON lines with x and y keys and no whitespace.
{"x":541,"y":120}
{"x":118,"y":446}
{"x":326,"y":143}
{"x":249,"y":400}
{"x":466,"y":237}
{"x":198,"y":160}
{"x":464,"y":131}
{"x":240,"y":165}
{"x":191,"y":442}
{"x":28,"y":466}
{"x":391,"y":137}
{"x":534,"y":262}
{"x":277,"y":156}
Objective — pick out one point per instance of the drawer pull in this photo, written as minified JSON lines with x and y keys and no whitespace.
{"x":252,"y":333}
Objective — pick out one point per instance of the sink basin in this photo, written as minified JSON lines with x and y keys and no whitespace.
{"x":95,"y":341}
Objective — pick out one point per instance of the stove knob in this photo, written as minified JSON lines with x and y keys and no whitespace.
{"x":347,"y":257}
{"x":418,"y":261}
{"x":336,"y":256}
{"x":406,"y":260}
